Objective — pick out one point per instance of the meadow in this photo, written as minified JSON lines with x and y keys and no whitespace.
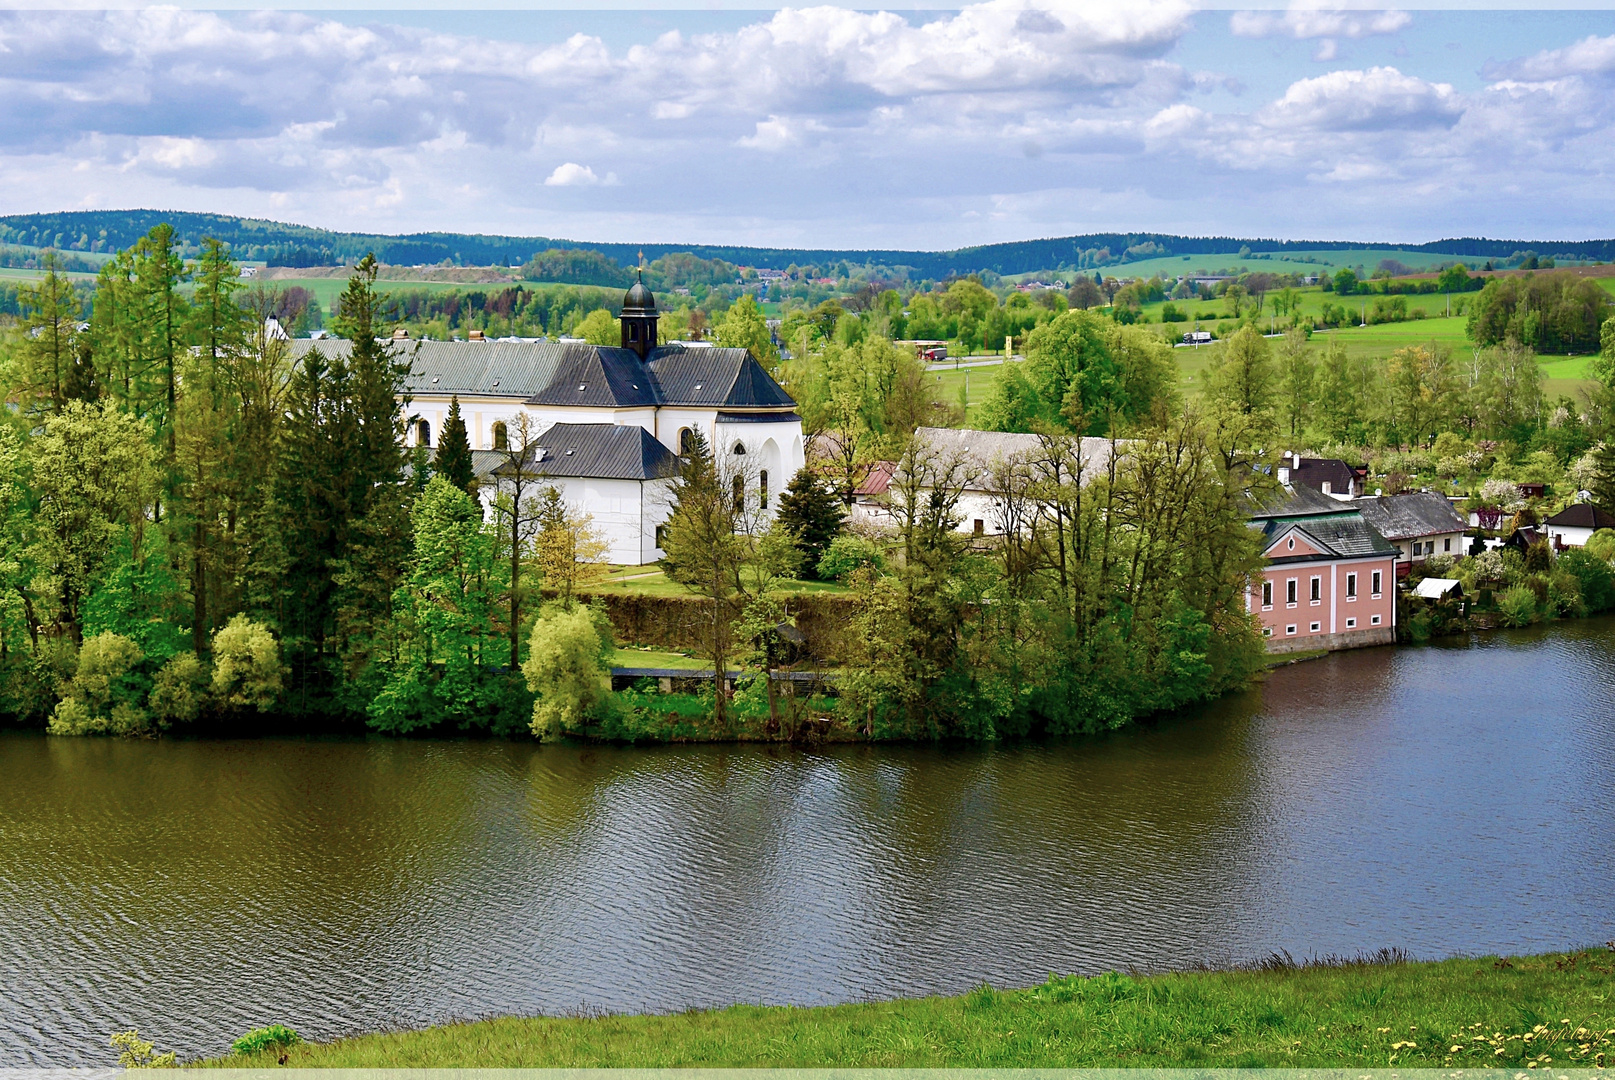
{"x":1523,"y":1012}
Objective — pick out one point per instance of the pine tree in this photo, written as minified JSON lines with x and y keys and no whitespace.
{"x":814,"y":514}
{"x":454,"y":452}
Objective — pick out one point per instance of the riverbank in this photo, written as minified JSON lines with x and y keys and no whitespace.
{"x":1526,"y":1012}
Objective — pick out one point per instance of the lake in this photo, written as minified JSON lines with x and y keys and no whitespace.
{"x":1454,"y":799}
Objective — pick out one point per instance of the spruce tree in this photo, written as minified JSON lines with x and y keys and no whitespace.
{"x":454,"y":452}
{"x":814,"y":514}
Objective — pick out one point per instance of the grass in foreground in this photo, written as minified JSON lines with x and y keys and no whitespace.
{"x":1554,"y":1010}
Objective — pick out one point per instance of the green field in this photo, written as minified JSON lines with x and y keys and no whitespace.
{"x":650,"y":581}
{"x":1555,"y":1011}
{"x":1278,"y":262}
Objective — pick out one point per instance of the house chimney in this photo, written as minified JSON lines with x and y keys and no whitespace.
{"x":476,"y":335}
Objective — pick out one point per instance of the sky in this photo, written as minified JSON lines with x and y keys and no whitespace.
{"x":827,"y":126}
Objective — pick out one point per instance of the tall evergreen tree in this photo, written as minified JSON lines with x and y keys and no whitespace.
{"x":813,"y":514}
{"x":454,"y":452}
{"x":51,"y":313}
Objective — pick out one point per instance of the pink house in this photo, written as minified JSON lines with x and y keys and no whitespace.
{"x":1330,"y":578}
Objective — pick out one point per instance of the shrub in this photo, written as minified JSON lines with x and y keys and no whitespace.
{"x":563,"y":668}
{"x":136,"y":1053}
{"x":1602,"y":545}
{"x":1518,"y":606}
{"x":105,"y":695}
{"x":246,"y":665}
{"x":1489,"y":566}
{"x":179,"y":690}
{"x":846,"y":554}
{"x":274,"y":1037}
{"x":1594,"y":578}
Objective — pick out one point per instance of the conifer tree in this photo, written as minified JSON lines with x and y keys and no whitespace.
{"x":454,"y":452}
{"x":813,"y":514}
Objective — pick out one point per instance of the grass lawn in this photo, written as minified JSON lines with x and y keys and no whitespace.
{"x":650,"y":581}
{"x":633,"y":656}
{"x":1553,"y":1010}
{"x":979,"y":381}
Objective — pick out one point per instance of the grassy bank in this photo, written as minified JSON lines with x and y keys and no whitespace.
{"x":1520,"y":1013}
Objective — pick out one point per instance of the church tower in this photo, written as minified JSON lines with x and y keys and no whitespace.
{"x":639,"y":318}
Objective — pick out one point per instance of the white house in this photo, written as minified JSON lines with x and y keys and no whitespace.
{"x":573,"y":393}
{"x":1574,"y":525}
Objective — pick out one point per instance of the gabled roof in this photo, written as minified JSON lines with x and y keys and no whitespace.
{"x":550,"y":372}
{"x":1411,"y":515}
{"x":1336,"y":529}
{"x":982,"y":449}
{"x":1315,"y":472}
{"x":1435,"y":588}
{"x":726,"y":378}
{"x":601,"y":452}
{"x":1583,"y":516}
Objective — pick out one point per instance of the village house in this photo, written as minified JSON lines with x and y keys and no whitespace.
{"x":1574,"y":525}
{"x":1332,"y":476}
{"x":1330,"y":578}
{"x":1419,"y":523}
{"x":574,"y":394}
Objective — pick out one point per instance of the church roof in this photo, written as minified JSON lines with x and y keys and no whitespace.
{"x":550,"y":373}
{"x":603,"y":451}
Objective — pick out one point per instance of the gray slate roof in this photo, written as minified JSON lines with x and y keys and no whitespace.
{"x":1411,"y":514}
{"x":982,"y":449}
{"x":601,"y":452}
{"x":1338,"y":529}
{"x":550,"y":373}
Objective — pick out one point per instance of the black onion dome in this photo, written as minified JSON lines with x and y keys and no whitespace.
{"x":638,"y":300}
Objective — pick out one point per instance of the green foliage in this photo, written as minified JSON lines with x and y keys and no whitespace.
{"x":275,"y":1037}
{"x":453,"y":460}
{"x":107,"y":692}
{"x":1518,"y":606}
{"x":813,"y":515}
{"x":246,"y":666}
{"x":1594,"y":577}
{"x":136,"y":1053}
{"x":564,"y":671}
{"x":1552,"y":313}
{"x":848,"y":554}
{"x":179,"y":690}
{"x":578,"y":266}
{"x":744,"y":327}
{"x":599,"y":328}
{"x":1601,"y":545}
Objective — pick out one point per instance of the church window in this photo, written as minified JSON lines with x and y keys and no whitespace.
{"x":740,"y":448}
{"x":762,"y":488}
{"x":423,"y":434}
{"x":686,"y":442}
{"x":501,"y":438}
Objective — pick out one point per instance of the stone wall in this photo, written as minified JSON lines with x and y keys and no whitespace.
{"x":1351,"y":639}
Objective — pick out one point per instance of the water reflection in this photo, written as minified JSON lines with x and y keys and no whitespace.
{"x":1452,"y":799}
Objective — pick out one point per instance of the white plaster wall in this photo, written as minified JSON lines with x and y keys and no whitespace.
{"x":1569,"y":535}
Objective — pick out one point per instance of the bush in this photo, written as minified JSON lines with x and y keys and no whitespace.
{"x":563,"y":669}
{"x":846,"y":554}
{"x":105,"y":695}
{"x":1518,"y":606}
{"x":1602,"y":545}
{"x":274,"y":1037}
{"x":136,"y":1053}
{"x":1594,"y":578}
{"x":246,"y":665}
{"x":179,"y":690}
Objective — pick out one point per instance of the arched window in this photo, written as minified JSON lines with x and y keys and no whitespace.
{"x":740,"y":494}
{"x":501,"y":439}
{"x":686,"y":442}
{"x":740,"y":448}
{"x":762,"y":488}
{"x":423,"y":433}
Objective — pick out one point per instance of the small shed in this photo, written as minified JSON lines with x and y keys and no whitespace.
{"x":1435,"y":588}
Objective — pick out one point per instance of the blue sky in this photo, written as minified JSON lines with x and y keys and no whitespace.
{"x":825,"y":126}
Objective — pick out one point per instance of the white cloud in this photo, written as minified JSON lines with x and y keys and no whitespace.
{"x":1589,"y":56}
{"x":571,"y":174}
{"x":1378,"y":99}
{"x":1303,"y":20}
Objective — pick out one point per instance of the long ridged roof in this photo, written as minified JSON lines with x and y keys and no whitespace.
{"x":551,"y":373}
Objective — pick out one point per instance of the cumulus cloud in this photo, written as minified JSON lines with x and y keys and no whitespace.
{"x":1378,"y":99}
{"x":571,"y":174}
{"x":807,"y":125}
{"x":1313,"y":21}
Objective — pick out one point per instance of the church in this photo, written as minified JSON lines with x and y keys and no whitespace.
{"x":610,"y":422}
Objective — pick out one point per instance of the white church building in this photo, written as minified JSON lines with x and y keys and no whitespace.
{"x":610,"y":422}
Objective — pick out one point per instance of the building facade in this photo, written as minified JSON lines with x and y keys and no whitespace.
{"x":568,"y":395}
{"x":1419,"y":523}
{"x":1330,"y":578}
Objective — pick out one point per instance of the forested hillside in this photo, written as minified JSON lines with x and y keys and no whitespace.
{"x":279,"y":244}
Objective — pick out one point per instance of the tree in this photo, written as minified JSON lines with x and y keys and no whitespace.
{"x":246,"y":666}
{"x":744,"y":327}
{"x":516,"y":510}
{"x":599,"y":328}
{"x":1297,"y":375}
{"x":1243,"y":376}
{"x":1345,"y":281}
{"x":1420,"y":383}
{"x":1069,"y":380}
{"x":813,"y":515}
{"x":48,"y":346}
{"x":453,"y":460}
{"x":703,"y":554}
{"x":94,"y":476}
{"x":571,"y":551}
{"x":1551,"y":313}
{"x":564,"y":671}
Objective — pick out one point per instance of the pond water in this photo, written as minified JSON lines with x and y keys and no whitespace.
{"x":1449,"y":799}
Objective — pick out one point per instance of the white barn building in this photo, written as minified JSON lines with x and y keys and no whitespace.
{"x":610,"y":421}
